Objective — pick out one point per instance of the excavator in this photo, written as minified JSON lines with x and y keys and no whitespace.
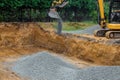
{"x":54,"y":14}
{"x":110,"y":28}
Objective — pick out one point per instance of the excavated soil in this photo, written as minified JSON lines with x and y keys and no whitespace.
{"x":17,"y":39}
{"x":14,"y":35}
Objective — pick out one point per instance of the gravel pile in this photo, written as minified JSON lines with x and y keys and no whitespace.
{"x":44,"y":66}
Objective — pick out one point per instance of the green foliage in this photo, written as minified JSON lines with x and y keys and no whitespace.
{"x":76,"y":10}
{"x":106,"y":6}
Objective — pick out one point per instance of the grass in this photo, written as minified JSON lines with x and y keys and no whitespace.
{"x":69,"y":26}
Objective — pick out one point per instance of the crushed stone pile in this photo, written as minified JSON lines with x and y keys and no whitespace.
{"x":45,"y":66}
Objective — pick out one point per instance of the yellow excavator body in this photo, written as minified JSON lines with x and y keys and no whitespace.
{"x":113,"y":26}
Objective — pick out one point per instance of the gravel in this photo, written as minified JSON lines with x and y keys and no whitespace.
{"x":89,"y":30}
{"x":45,"y":66}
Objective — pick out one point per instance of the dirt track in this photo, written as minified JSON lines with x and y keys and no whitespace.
{"x":17,"y":39}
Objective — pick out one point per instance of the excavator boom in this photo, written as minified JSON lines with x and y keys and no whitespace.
{"x":102,"y":16}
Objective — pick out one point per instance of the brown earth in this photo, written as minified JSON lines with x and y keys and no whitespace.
{"x":20,"y":35}
{"x":10,"y":55}
{"x":18,"y":39}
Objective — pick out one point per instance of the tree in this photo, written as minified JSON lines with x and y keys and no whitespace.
{"x":76,"y":10}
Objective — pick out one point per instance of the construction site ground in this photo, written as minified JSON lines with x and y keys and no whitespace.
{"x":82,"y":50}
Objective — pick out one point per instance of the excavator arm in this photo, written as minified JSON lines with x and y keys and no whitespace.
{"x":101,"y":12}
{"x":57,"y":2}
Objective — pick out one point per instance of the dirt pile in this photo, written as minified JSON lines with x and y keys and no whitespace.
{"x":5,"y":74}
{"x":31,"y":34}
{"x":15,"y":34}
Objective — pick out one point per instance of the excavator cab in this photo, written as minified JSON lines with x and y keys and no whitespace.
{"x":114,"y":15}
{"x":110,"y":29}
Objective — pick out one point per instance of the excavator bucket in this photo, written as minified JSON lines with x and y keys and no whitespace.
{"x":53,"y":13}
